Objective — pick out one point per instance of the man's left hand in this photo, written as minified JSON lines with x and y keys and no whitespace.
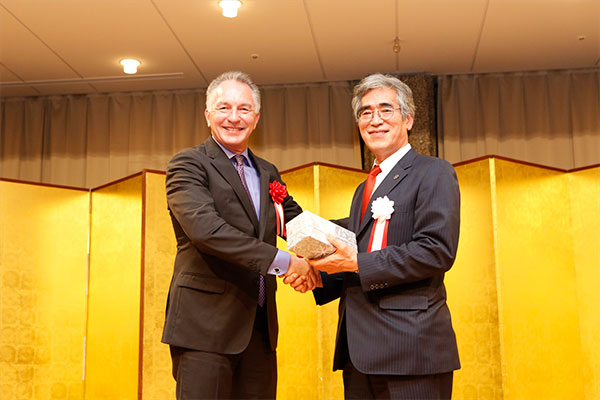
{"x":343,"y":260}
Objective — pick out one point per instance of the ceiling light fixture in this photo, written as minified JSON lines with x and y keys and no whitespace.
{"x":230,"y":7}
{"x":129,"y":65}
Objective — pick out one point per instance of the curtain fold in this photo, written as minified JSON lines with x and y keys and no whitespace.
{"x":89,"y":140}
{"x":548,"y":118}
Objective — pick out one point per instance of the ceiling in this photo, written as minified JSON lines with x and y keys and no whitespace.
{"x":50,"y":47}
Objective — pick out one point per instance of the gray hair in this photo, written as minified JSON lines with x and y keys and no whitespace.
{"x":232,"y":76}
{"x":404,"y":95}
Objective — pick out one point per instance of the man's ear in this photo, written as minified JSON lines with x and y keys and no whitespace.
{"x":206,"y":115}
{"x":256,"y":121}
{"x":409,"y":122}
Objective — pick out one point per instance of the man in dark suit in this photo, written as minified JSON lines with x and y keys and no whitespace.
{"x":395,"y":338}
{"x":221,"y":318}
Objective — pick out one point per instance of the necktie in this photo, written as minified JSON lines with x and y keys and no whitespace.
{"x":369,"y":189}
{"x":240,"y":170}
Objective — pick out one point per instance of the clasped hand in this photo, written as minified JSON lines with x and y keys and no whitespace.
{"x":301,"y":276}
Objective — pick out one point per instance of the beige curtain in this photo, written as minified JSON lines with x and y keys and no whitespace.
{"x":89,"y":140}
{"x":548,"y":118}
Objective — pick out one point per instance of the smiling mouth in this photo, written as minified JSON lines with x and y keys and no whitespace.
{"x":378,"y":132}
{"x":233,"y":129}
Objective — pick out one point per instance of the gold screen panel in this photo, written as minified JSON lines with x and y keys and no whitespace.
{"x":297,"y":348}
{"x":471,"y":287}
{"x":336,"y":187}
{"x":584,"y":189}
{"x":160,"y":249}
{"x":43,"y":268}
{"x":539,"y":324}
{"x":112,"y":361}
{"x":307,"y":332}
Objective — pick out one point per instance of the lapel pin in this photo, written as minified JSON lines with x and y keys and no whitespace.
{"x":396,"y":176}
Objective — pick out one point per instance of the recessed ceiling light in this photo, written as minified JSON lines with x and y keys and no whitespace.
{"x":129,"y":65}
{"x":230,"y":7}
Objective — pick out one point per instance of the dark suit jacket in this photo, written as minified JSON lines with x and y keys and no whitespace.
{"x":221,"y":251}
{"x":396,"y":318}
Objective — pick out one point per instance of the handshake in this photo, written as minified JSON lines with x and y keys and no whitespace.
{"x":320,"y":245}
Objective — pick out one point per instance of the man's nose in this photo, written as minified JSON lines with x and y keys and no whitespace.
{"x":376,"y":120}
{"x":234,"y":114}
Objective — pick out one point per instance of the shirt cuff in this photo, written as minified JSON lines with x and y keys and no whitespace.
{"x":280,"y":263}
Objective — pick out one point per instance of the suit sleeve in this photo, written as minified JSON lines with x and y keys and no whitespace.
{"x":432,"y":248}
{"x":193,"y":206}
{"x":333,"y":285}
{"x":344,"y":222}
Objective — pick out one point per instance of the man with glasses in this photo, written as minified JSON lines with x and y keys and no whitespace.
{"x":395,"y":338}
{"x":221,"y":318}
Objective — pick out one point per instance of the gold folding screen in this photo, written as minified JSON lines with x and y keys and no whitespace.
{"x":113,"y":335}
{"x":307,"y":332}
{"x":523,"y":292}
{"x":43,"y":279}
{"x":159,"y":253}
{"x":584,"y":196}
{"x":132,"y":252}
{"x":472,"y":293}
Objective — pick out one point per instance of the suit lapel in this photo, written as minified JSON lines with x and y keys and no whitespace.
{"x":395,"y":176}
{"x":356,"y":207}
{"x":224,"y":166}
{"x":265,"y":200}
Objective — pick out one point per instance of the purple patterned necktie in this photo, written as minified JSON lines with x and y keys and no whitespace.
{"x":240,"y":170}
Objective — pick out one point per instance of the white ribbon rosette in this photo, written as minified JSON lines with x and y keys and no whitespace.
{"x":382,"y":210}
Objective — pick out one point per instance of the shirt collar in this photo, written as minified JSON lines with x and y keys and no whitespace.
{"x":230,"y":153}
{"x":387,"y":164}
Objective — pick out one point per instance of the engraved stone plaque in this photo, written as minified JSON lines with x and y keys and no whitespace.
{"x":306,"y":236}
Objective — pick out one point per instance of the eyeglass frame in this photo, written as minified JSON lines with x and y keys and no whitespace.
{"x":378,"y":111}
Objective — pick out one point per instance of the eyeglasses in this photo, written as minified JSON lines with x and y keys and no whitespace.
{"x":385,"y":113}
{"x":228,"y":110}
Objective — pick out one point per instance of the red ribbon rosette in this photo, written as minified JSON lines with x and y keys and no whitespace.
{"x":278,"y":193}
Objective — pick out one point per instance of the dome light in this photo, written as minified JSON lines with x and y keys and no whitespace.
{"x":130,"y":65}
{"x":230,"y":7}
